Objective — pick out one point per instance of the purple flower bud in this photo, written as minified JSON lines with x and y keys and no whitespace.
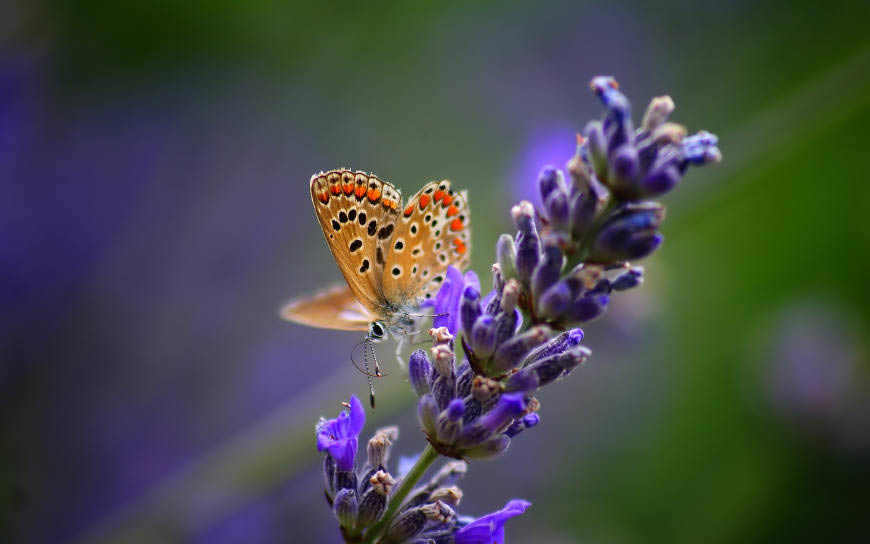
{"x":555,"y":300}
{"x":558,"y":210}
{"x":455,"y":410}
{"x":444,"y":390}
{"x":489,"y":448}
{"x":596,"y":143}
{"x":641,"y":247}
{"x":344,"y":507}
{"x":464,"y":377}
{"x":506,"y":252}
{"x":506,"y":325}
{"x":588,"y":308}
{"x":660,"y":180}
{"x":427,"y":413}
{"x":627,"y":235}
{"x":482,"y":336}
{"x":508,"y":407}
{"x":631,"y":278}
{"x":450,"y":421}
{"x":583,"y":210}
{"x":548,"y":269}
{"x":522,"y":381}
{"x":511,"y":353}
{"x":473,"y":409}
{"x":624,"y":165}
{"x":528,"y":243}
{"x":520,"y":425}
{"x":549,"y":180}
{"x":469,"y":308}
{"x":420,"y":372}
{"x":561,"y":343}
{"x":554,"y":366}
{"x":406,"y":525}
{"x":701,"y":148}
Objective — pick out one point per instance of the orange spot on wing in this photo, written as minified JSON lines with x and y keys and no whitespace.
{"x":335,"y":189}
{"x":360,"y":191}
{"x":456,"y":224}
{"x":374,"y":195}
{"x":424,"y":201}
{"x":457,"y":241}
{"x":452,"y":210}
{"x":439,"y":194}
{"x":461,"y":248}
{"x":409,"y":210}
{"x":323,"y":197}
{"x":348,"y":188}
{"x":447,"y":200}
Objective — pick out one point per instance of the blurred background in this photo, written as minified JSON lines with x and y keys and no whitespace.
{"x":154,"y":213}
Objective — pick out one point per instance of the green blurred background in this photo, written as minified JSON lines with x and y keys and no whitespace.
{"x":154,"y":158}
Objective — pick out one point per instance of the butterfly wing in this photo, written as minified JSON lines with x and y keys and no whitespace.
{"x":433,"y":232}
{"x":335,"y":308}
{"x":357,"y":213}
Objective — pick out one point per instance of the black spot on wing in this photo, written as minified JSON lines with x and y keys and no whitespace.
{"x":385,"y":232}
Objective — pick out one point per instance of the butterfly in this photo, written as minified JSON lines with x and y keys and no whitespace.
{"x":393,"y":256}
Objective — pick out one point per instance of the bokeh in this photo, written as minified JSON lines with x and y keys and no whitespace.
{"x":154,"y":161}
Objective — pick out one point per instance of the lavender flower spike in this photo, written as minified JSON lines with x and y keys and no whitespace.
{"x":489,"y":529}
{"x":340,"y":436}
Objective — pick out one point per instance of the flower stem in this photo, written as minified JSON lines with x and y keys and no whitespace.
{"x":398,"y":497}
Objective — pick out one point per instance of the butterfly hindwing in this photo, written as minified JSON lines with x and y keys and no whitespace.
{"x":358,"y":214}
{"x":335,"y":308}
{"x":432,"y":233}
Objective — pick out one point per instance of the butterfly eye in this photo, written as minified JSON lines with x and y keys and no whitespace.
{"x":376,"y":330}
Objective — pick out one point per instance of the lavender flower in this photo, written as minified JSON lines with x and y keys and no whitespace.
{"x":559,"y":269}
{"x":339,"y":436}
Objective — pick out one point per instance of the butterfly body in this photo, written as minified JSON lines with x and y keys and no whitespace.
{"x":393,"y":256}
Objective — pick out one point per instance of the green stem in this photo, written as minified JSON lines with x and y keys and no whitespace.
{"x":398,"y":497}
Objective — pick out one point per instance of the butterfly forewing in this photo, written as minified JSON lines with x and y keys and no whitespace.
{"x":358,"y":214}
{"x":432,"y":233}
